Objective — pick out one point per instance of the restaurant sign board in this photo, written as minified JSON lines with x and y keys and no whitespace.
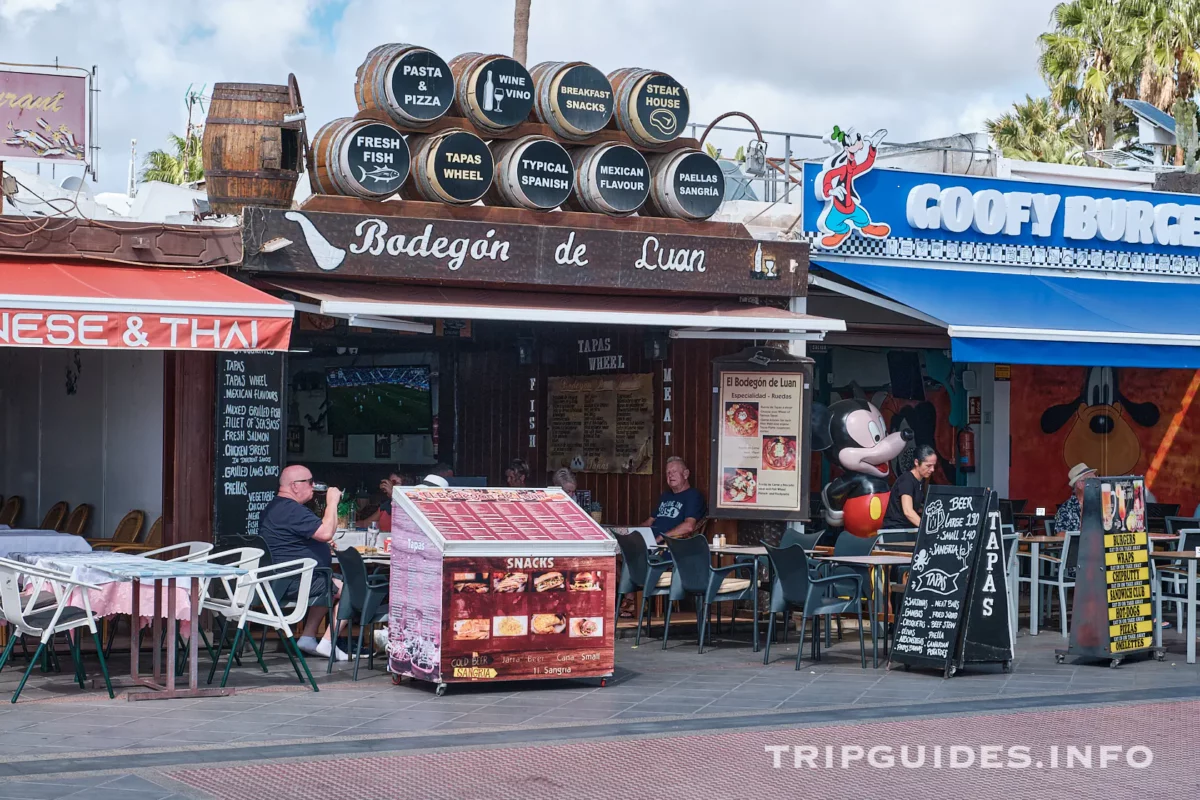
{"x":123,"y":330}
{"x":44,"y":115}
{"x":484,"y":252}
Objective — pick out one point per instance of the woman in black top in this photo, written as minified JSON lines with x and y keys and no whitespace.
{"x":908,"y":493}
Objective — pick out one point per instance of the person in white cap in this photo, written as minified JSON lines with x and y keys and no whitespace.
{"x":1068,"y":516}
{"x":438,"y":477}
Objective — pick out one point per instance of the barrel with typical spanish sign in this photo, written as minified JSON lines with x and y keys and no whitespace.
{"x":359,"y":158}
{"x":652,"y":107}
{"x":410,"y":84}
{"x":495,"y":92}
{"x":610,"y":178}
{"x":451,"y":166}
{"x":573,"y":98}
{"x":685,"y":184}
{"x":531,"y":172}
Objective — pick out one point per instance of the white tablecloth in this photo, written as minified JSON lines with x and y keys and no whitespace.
{"x":18,"y":540}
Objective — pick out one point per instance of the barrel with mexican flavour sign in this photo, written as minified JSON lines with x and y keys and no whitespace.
{"x":410,"y":84}
{"x":937,"y":595}
{"x":575,"y":99}
{"x":358,"y":158}
{"x":610,"y":178}
{"x":452,"y":166}
{"x":652,"y":107}
{"x":533,"y":172}
{"x":685,"y":184}
{"x":495,"y":92}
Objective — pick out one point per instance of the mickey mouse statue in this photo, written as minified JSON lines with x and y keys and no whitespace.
{"x":854,"y":437}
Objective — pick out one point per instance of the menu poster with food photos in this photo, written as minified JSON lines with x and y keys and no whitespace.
{"x":415,"y":608}
{"x":528,"y":617}
{"x":759,"y":442}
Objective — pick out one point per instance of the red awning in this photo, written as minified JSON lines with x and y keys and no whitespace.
{"x":62,"y":304}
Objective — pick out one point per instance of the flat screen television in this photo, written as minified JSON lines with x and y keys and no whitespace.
{"x":379,"y":400}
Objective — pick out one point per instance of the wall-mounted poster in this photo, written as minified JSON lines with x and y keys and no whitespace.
{"x":759,"y":435}
{"x":602,"y":424}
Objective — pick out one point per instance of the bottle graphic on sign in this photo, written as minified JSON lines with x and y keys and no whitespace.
{"x":489,"y":90}
{"x":758,"y":261}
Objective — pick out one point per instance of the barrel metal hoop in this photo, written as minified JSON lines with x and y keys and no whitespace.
{"x":265,"y":123}
{"x":250,"y":201}
{"x":274,"y":174}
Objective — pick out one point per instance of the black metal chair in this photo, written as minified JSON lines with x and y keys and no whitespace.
{"x":694,"y":576}
{"x":808,"y":541}
{"x":795,"y":585}
{"x":641,"y":572}
{"x":848,"y":544}
{"x":364,"y":601}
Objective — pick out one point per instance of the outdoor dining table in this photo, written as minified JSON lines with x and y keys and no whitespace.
{"x":1190,"y":557}
{"x":881,"y":567}
{"x":28,"y":540}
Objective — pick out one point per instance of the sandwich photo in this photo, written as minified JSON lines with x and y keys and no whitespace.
{"x":549,"y":623}
{"x":505,"y":582}
{"x":586,"y":582}
{"x":548,"y":581}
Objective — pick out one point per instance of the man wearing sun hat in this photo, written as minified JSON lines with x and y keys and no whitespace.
{"x":1068,"y":516}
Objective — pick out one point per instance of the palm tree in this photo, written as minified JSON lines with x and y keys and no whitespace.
{"x":183,"y":166}
{"x":521,"y":30}
{"x":1036,"y":130}
{"x":1170,"y":31}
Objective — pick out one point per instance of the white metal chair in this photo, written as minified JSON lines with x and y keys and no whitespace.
{"x":1172,"y":576}
{"x":219,"y":595}
{"x":1062,"y":574}
{"x":254,"y":601}
{"x":49,"y":618}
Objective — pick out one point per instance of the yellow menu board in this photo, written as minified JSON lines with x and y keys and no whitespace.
{"x":1126,"y":565}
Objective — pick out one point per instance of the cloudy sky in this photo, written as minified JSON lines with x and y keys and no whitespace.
{"x":920,"y":68}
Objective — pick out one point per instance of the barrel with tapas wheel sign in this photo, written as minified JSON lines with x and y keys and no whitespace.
{"x":494,"y":92}
{"x":452,"y":166}
{"x":359,"y":158}
{"x":410,"y":84}
{"x":575,"y":99}
{"x":685,"y":184}
{"x":652,"y":107}
{"x":531,"y":172}
{"x":610,"y":178}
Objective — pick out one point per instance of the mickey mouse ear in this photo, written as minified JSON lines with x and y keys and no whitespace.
{"x":821,"y":440}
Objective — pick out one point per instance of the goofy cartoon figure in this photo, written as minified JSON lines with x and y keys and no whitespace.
{"x":853,"y":157}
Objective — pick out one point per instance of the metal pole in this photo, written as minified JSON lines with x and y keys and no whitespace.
{"x":787,"y":168}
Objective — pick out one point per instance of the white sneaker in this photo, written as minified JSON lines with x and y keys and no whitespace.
{"x":381,"y":641}
{"x":323,"y":650}
{"x":308,"y":644}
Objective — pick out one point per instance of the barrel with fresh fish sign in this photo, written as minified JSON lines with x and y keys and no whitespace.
{"x":610,"y":178}
{"x":358,"y":158}
{"x":410,"y":84}
{"x":685,"y":184}
{"x":452,"y":166}
{"x":575,"y":99}
{"x":531,"y":172}
{"x":652,"y":107}
{"x":494,"y":92}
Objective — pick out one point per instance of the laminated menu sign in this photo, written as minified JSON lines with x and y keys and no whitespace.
{"x":249,"y":440}
{"x":1126,"y":564}
{"x":759,"y":440}
{"x":602,"y":424}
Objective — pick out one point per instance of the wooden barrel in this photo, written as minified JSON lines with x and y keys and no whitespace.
{"x":685,"y":184}
{"x":573,"y":98}
{"x":495,"y":92}
{"x":451,"y":166}
{"x":359,"y":159}
{"x":610,"y":178}
{"x":410,"y":84}
{"x":531,"y":172}
{"x":251,"y":156}
{"x":652,"y":107}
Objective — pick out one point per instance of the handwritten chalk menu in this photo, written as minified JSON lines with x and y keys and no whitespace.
{"x":935,"y":599}
{"x":602,"y":424}
{"x":249,"y":434}
{"x":987,"y":635}
{"x":759,"y":443}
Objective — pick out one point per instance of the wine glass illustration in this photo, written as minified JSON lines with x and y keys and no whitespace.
{"x":499,"y":95}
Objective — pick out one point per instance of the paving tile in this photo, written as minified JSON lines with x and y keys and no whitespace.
{"x":23,"y":790}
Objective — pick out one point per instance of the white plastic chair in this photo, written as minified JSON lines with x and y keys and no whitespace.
{"x":254,"y":601}
{"x":1060,"y":567}
{"x":49,"y":619}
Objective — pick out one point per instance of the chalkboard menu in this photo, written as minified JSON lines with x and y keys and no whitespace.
{"x":936,"y":597}
{"x":987,"y":635}
{"x":602,"y":424}
{"x":249,"y":437}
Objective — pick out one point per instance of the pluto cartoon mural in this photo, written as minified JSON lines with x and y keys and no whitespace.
{"x":1101,"y":434}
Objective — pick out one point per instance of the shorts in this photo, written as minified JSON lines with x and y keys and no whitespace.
{"x":287,"y":589}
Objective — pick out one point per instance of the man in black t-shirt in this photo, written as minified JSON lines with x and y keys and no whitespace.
{"x":907,"y":500}
{"x":681,"y":507}
{"x":291,"y":531}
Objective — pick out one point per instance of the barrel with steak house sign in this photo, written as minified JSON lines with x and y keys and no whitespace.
{"x":610,"y":178}
{"x":575,"y":99}
{"x":685,"y":184}
{"x":410,"y":84}
{"x":495,"y":92}
{"x":531,"y":172}
{"x":452,"y":166}
{"x":652,"y":107}
{"x":359,"y":158}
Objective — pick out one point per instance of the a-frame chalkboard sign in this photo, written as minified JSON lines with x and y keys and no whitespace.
{"x":955,"y":606}
{"x":1112,"y":614}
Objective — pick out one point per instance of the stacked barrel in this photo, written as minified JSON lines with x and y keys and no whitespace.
{"x":397,"y":146}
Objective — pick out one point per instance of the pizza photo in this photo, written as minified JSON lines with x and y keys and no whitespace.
{"x":779,"y":453}
{"x":741,"y":419}
{"x":739,"y":485}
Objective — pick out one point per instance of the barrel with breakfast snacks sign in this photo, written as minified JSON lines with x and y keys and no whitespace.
{"x":499,"y":584}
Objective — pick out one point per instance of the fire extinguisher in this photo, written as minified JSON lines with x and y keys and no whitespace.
{"x":966,"y":449}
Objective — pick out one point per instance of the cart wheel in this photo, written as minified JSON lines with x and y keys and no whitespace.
{"x":396,"y":678}
{"x":906,"y":667}
{"x":1114,"y":663}
{"x":1059,"y":658}
{"x":440,"y":690}
{"x":1006,"y":666}
{"x":603,"y":682}
{"x":1160,"y":656}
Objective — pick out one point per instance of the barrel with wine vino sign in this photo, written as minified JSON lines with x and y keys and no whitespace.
{"x":685,"y":184}
{"x":410,"y":84}
{"x":358,"y":158}
{"x":531,"y":172}
{"x":610,"y":178}
{"x":575,"y":99}
{"x":452,"y":166}
{"x":652,"y":107}
{"x":494,"y":92}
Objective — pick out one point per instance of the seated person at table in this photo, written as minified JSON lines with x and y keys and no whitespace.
{"x":1068,"y":516}
{"x":438,"y":477}
{"x":383,"y":515}
{"x":681,"y":507}
{"x":565,"y":480}
{"x":517,"y":473}
{"x":291,"y":531}
{"x":907,"y":500}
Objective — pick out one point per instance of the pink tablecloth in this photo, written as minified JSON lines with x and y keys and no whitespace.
{"x":116,"y":597}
